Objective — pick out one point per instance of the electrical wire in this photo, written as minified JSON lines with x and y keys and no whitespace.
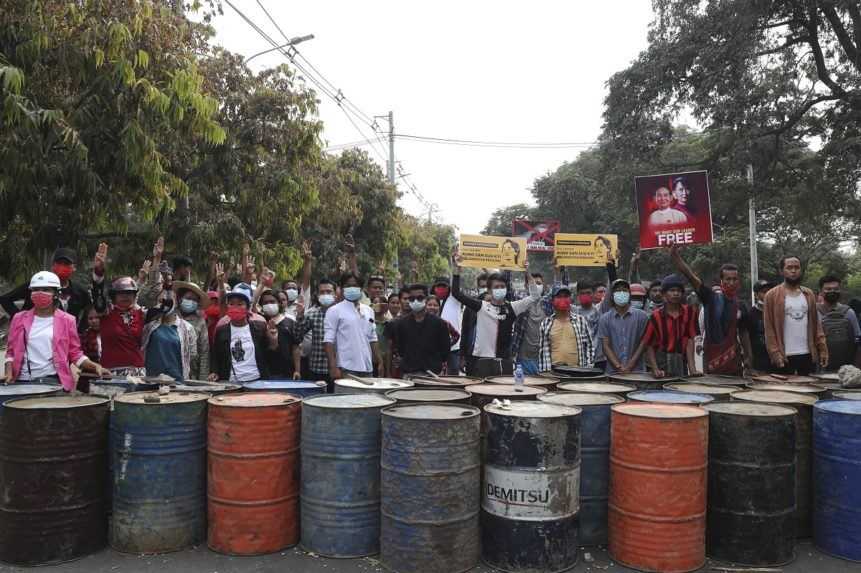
{"x":496,"y":144}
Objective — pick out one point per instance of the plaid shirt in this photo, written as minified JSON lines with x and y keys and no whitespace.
{"x":313,"y":321}
{"x":585,"y":348}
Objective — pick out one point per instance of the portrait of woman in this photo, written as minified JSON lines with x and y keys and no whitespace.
{"x":510,"y":254}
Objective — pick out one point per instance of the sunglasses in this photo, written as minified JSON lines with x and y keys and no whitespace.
{"x":419,"y":298}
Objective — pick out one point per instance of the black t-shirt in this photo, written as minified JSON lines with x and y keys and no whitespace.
{"x":756,"y":330}
{"x":422,"y":345}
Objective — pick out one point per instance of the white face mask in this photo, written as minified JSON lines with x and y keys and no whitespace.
{"x":536,"y":289}
{"x":270,"y":309}
{"x":499,"y":293}
{"x":417,"y":305}
{"x":292,"y":294}
{"x":326,"y":299}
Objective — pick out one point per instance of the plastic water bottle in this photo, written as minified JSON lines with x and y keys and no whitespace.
{"x":518,"y":378}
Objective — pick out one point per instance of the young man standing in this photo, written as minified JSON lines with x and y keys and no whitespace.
{"x":467,"y":324}
{"x":725,"y":319}
{"x":840,"y":324}
{"x":760,"y":361}
{"x":564,"y":336}
{"x":670,"y":333}
{"x":620,"y":331}
{"x":586,"y":306}
{"x":313,"y":321}
{"x":350,"y":337}
{"x":527,"y":330}
{"x":239,"y":348}
{"x":793,"y":332}
{"x":422,"y":339}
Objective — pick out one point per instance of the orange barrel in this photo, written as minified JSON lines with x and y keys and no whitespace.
{"x":253,"y":485}
{"x":658,"y":468}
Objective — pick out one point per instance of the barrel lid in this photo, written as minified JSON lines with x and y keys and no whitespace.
{"x":504,"y":390}
{"x":27,"y":389}
{"x":717,"y":380}
{"x":774,"y":396}
{"x":848,"y":395}
{"x":597,"y":387}
{"x":827,"y":385}
{"x":840,"y":406}
{"x":430,"y":411}
{"x":254,"y":399}
{"x":532,"y":409}
{"x":527,"y":380}
{"x":214,"y":387}
{"x":700,"y":388}
{"x":749,"y":409}
{"x":670,"y":397}
{"x":285,"y":384}
{"x":827,"y":376}
{"x":576,"y":371}
{"x":798,"y":388}
{"x":55,"y":402}
{"x":375,"y":383}
{"x":781,"y":379}
{"x":348,"y":401}
{"x":446,"y":381}
{"x":641,"y":377}
{"x":429,"y":394}
{"x":575,"y":399}
{"x":171,"y":398}
{"x":654,"y":410}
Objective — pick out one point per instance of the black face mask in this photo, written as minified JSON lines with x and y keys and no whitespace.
{"x":831,"y":297}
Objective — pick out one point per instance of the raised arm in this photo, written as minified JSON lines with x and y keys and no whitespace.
{"x":464,"y":299}
{"x":100,"y":301}
{"x":682,"y":267}
{"x":634,"y":270}
{"x":307,"y":261}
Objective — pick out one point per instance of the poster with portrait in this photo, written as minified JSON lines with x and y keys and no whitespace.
{"x":581,"y":250}
{"x":484,"y":251}
{"x":674,"y":209}
{"x":539,"y":235}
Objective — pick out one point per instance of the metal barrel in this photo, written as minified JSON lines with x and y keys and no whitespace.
{"x":450,"y":395}
{"x":253,"y":472}
{"x":159,"y":457}
{"x":299,"y":388}
{"x":117,"y":387}
{"x":531,"y":491}
{"x":718,"y":393}
{"x":803,"y":449}
{"x":547,"y":382}
{"x":596,"y":388}
{"x":374,"y":385}
{"x":717,"y":380}
{"x":830,"y":381}
{"x":340,"y":492}
{"x":445,"y":381}
{"x":781,"y":379}
{"x":811,"y":389}
{"x":484,"y":394}
{"x":15,"y":391}
{"x":53,"y":458}
{"x":657,"y":514}
{"x":848,"y":395}
{"x":642,"y":380}
{"x":751,"y":483}
{"x":430,"y":488}
{"x":837,"y":451}
{"x":595,"y":456}
{"x":585,"y":373}
{"x":213,"y":388}
{"x":669,"y":397}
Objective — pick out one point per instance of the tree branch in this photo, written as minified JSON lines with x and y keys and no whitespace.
{"x":822,"y":73}
{"x":855,"y":15}
{"x":841,"y":33}
{"x":788,"y":43}
{"x":798,"y":115}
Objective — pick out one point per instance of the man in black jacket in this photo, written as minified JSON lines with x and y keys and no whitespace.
{"x":73,"y":297}
{"x":239,"y":348}
{"x":422,"y":340}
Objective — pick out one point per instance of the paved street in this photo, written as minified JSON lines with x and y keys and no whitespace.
{"x":201,"y":560}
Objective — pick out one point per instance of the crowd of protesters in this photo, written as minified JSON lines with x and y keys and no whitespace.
{"x":241,"y":327}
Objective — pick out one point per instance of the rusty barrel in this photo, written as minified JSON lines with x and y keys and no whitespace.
{"x":837,"y":451}
{"x":848,"y":395}
{"x":531,"y":491}
{"x":430,"y":488}
{"x":642,"y":380}
{"x":657,"y":516}
{"x":445,"y":381}
{"x":595,"y":456}
{"x":53,"y":465}
{"x":159,"y":456}
{"x":751,"y":485}
{"x":373,"y":386}
{"x":15,"y":391}
{"x":214,"y":389}
{"x":340,"y":498}
{"x":670,"y":397}
{"x":484,"y":394}
{"x":431,"y":395}
{"x":547,"y":382}
{"x":718,"y":393}
{"x":253,"y":472}
{"x":596,"y":388}
{"x":803,"y":448}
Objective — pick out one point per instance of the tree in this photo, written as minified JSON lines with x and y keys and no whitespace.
{"x":500,"y":223}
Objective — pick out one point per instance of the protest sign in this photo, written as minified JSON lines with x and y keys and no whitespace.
{"x":674,"y":209}
{"x":483,"y":251}
{"x":582,"y":250}
{"x":539,"y":235}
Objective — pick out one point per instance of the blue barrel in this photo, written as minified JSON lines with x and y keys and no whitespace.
{"x":670,"y":397}
{"x":340,"y":491}
{"x":159,"y":460}
{"x":430,"y":488}
{"x":836,"y":478}
{"x":594,"y":459}
{"x":300,"y":388}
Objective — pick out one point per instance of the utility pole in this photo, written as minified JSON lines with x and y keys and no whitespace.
{"x":754,"y":259}
{"x":391,"y":166}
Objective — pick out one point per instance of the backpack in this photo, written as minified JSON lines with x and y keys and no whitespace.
{"x":838,"y":335}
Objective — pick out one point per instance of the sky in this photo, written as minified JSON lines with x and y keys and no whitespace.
{"x":476,"y":71}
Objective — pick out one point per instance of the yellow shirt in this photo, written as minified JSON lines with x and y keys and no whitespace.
{"x":564,"y":347}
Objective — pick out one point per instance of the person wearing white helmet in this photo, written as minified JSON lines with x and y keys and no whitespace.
{"x":43,"y":341}
{"x":239,"y":350}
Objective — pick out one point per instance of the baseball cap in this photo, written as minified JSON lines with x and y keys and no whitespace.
{"x":65,"y":254}
{"x":560,"y":288}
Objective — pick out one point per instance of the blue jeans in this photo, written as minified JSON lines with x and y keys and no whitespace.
{"x":530,"y":367}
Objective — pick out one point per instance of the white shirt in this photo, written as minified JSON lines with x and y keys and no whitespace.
{"x":668,"y":216}
{"x":487,"y":324}
{"x":242,"y":359}
{"x":39,"y":359}
{"x":352,"y":330}
{"x":795,"y":325}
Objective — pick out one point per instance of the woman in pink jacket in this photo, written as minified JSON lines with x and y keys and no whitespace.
{"x":43,"y":342}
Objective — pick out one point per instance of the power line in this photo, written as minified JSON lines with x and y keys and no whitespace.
{"x":497,"y":144}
